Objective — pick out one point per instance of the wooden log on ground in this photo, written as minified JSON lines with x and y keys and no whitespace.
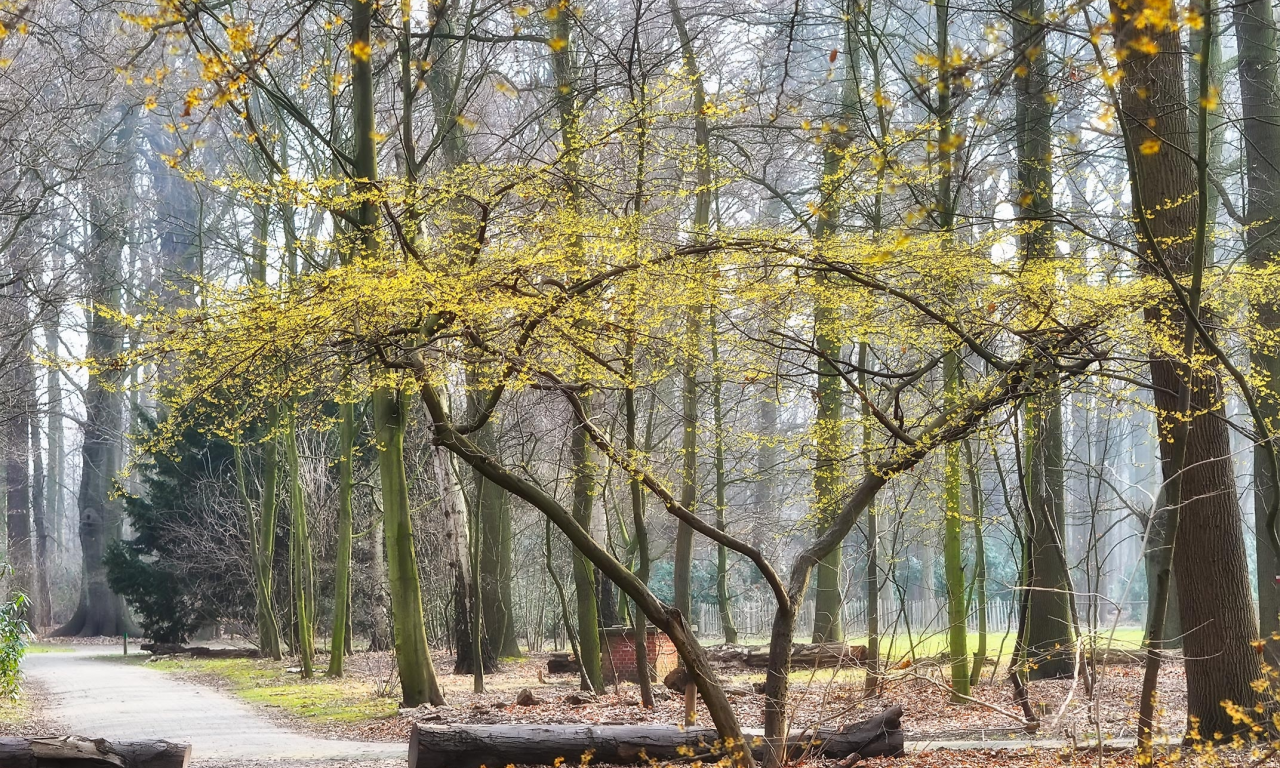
{"x":803,"y":655}
{"x":80,"y":752}
{"x":200,"y":651}
{"x":472,"y":746}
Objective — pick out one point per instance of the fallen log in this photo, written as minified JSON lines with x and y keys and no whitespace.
{"x":473,"y":746}
{"x":200,"y":651}
{"x":78,"y":751}
{"x":803,"y":655}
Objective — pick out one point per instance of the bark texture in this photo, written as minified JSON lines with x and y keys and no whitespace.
{"x":79,"y":752}
{"x":1209,"y":560}
{"x":438,"y":746}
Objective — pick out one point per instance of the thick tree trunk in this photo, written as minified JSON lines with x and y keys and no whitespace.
{"x":1209,"y":559}
{"x":1047,"y":636}
{"x":1048,"y":639}
{"x":494,"y":513}
{"x":455,"y":746}
{"x":413,"y":658}
{"x":1259,"y":76}
{"x":77,"y":751}
{"x":828,"y":428}
{"x":17,"y":448}
{"x":101,"y":611}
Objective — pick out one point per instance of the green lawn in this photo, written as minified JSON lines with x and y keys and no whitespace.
{"x":268,"y":684}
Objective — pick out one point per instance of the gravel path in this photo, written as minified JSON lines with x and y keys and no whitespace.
{"x":97,"y":697}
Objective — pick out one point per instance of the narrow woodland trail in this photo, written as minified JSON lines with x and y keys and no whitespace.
{"x":93,"y":696}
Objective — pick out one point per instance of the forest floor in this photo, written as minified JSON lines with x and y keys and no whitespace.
{"x":363,"y":705}
{"x":239,"y":711}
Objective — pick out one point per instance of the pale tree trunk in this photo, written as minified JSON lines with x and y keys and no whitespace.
{"x":42,"y":617}
{"x":101,"y":611}
{"x":56,"y":445}
{"x":300,"y":553}
{"x":458,"y":554}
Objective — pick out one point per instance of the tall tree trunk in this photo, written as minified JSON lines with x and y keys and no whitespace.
{"x":53,"y":495}
{"x":958,"y":632}
{"x":952,"y":553}
{"x":101,"y":611}
{"x":722,"y":483}
{"x":640,"y":536}
{"x":418,"y":683}
{"x":979,"y":565}
{"x":457,"y":549}
{"x":828,"y":427}
{"x":1259,"y":76}
{"x":1209,"y":551}
{"x":300,"y":554}
{"x":17,"y":453}
{"x":701,"y":225}
{"x":42,"y":616}
{"x":340,"y":640}
{"x":1048,"y":639}
{"x":583,"y":472}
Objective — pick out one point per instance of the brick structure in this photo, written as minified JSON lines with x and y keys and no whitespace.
{"x":618,"y":654}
